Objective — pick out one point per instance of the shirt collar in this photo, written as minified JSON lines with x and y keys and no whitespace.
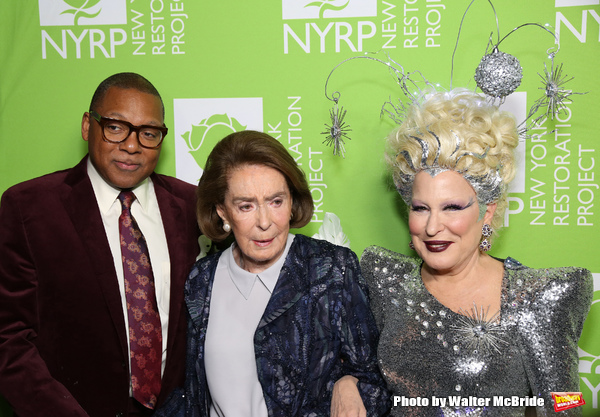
{"x":244,"y":280}
{"x":106,"y":195}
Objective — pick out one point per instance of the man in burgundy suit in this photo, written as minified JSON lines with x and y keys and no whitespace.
{"x":64,"y":340}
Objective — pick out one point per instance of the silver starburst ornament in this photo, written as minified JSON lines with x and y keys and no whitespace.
{"x":337,"y":131}
{"x":555,"y":96}
{"x":498,"y":74}
{"x":478,"y":332}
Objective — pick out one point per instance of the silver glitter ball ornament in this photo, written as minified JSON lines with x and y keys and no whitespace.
{"x":498,"y":74}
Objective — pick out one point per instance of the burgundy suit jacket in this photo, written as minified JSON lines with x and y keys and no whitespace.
{"x":63,"y":342}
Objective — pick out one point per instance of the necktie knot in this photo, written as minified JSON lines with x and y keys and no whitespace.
{"x":126,"y":198}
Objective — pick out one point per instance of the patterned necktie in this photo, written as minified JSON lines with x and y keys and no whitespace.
{"x":145,"y":336}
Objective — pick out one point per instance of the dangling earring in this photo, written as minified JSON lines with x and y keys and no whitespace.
{"x":486,"y":231}
{"x":411,"y":245}
{"x":226,"y":227}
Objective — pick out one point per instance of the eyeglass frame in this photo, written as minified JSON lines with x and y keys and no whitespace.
{"x":101,"y":120}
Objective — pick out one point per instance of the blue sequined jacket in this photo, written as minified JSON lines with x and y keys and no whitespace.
{"x":316,"y":328}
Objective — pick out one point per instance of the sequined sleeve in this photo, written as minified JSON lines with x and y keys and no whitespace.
{"x":550,"y":306}
{"x":381,"y":282}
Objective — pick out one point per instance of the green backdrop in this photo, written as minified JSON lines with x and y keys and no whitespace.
{"x":227,"y":65}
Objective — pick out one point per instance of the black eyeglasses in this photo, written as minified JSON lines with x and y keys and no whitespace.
{"x":116,"y":131}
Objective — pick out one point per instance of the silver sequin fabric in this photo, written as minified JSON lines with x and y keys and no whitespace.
{"x":426,"y":350}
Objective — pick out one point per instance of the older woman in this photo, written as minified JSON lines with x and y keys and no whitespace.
{"x":456,"y":322}
{"x":276,"y":319}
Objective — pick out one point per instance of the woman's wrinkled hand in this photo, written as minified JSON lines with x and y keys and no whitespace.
{"x":346,"y":401}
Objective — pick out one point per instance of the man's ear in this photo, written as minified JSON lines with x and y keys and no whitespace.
{"x":85,"y":126}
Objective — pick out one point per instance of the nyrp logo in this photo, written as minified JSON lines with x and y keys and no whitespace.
{"x":319,"y":9}
{"x":323,"y":33}
{"x":82,"y":12}
{"x":77,"y":40}
{"x":565,"y":400}
{"x":201,"y":123}
{"x":75,"y":29}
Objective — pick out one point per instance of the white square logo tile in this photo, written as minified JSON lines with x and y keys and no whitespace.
{"x":201,"y":122}
{"x":82,"y":12}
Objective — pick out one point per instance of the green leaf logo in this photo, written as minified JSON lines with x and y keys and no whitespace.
{"x":202,"y":138}
{"x":324,"y":5}
{"x":79,"y":7}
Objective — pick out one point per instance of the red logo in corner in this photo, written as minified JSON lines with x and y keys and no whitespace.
{"x":565,"y":400}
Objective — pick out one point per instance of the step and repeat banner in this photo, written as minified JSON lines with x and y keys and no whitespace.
{"x":224,"y":66}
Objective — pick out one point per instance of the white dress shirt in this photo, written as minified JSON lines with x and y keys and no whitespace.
{"x":147,"y":215}
{"x":237,"y":303}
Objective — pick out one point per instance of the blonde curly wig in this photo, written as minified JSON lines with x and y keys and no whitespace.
{"x":456,"y":130}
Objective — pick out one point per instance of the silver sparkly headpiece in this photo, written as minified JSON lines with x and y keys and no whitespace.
{"x":488,"y":188}
{"x":497,"y":76}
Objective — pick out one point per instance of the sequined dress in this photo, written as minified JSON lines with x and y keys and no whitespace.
{"x":429,"y":353}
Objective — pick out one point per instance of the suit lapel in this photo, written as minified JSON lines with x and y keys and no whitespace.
{"x":198,"y":292}
{"x":291,"y":286}
{"x":81,"y":205}
{"x":173,"y":214}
